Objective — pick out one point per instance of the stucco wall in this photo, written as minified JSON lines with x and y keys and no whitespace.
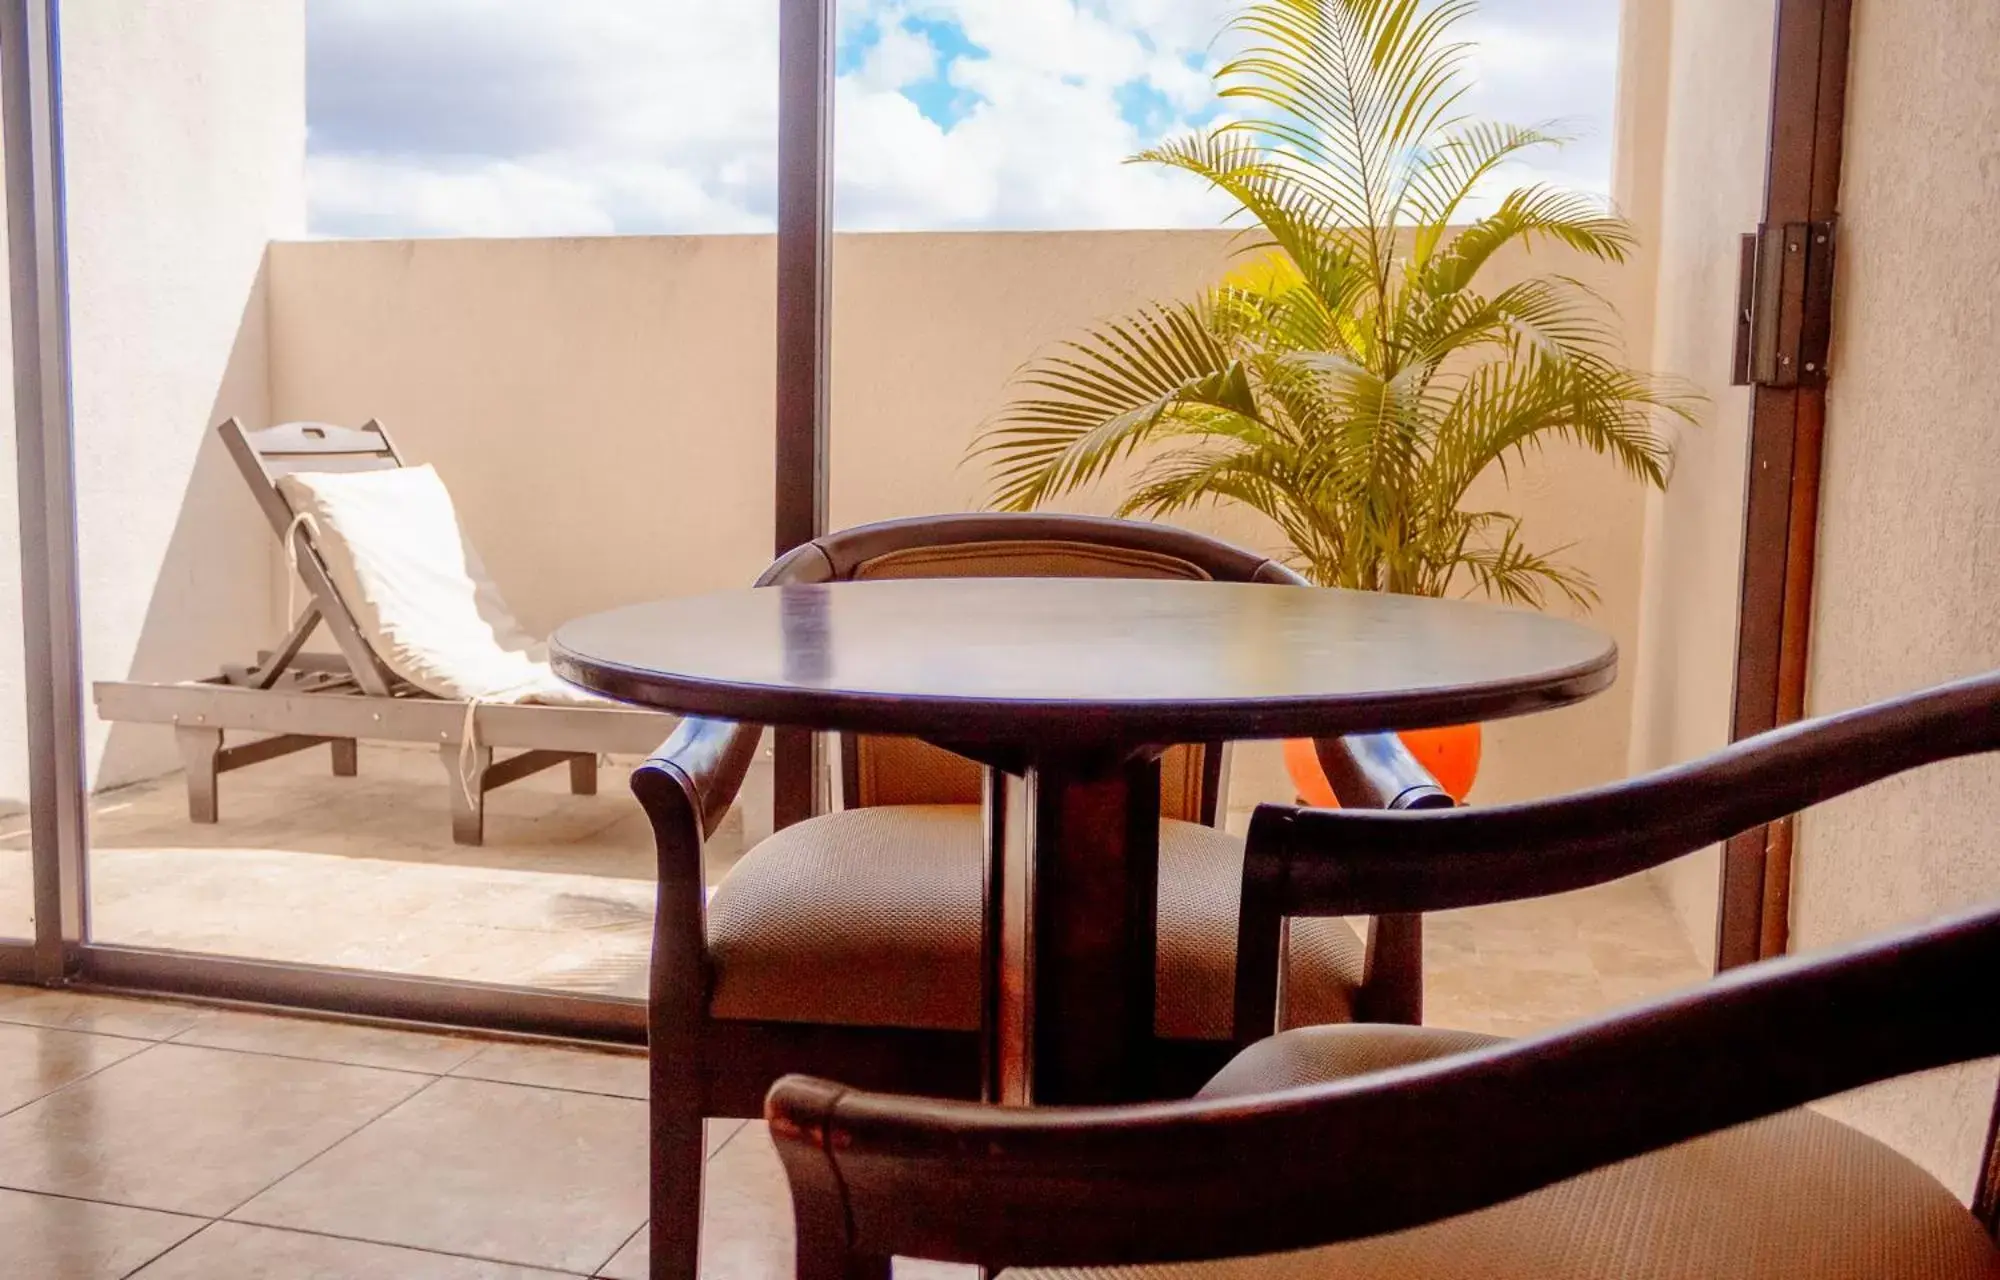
{"x":1705,"y":122}
{"x":186,"y":144}
{"x":602,"y":408}
{"x":1908,"y":586}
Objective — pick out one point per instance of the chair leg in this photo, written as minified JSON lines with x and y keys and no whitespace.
{"x":201,"y":751}
{"x":678,"y":1152}
{"x":346,"y":758}
{"x":1392,"y":988}
{"x":583,"y":775}
{"x":468,"y":792}
{"x":868,"y":1269}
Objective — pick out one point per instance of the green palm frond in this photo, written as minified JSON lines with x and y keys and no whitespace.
{"x":1502,"y":566}
{"x":1098,"y":399}
{"x":1353,"y":378}
{"x":1445,"y":179}
{"x":1532,"y":213}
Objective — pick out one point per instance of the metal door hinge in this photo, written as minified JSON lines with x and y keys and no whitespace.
{"x":1784,"y":306}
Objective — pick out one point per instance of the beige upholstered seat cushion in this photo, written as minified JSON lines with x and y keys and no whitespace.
{"x":870,"y":917}
{"x":1794,"y":1197}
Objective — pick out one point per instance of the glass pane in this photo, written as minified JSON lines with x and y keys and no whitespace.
{"x":17,"y":893}
{"x":983,"y":148}
{"x":430,"y":216}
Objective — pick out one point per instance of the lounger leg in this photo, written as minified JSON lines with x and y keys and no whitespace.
{"x":468,"y":792}
{"x":200,"y":750}
{"x":346,"y":758}
{"x":583,"y":775}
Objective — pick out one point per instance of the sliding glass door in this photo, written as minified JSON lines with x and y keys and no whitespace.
{"x":519,"y":255}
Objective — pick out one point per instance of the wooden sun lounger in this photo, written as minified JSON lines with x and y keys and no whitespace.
{"x":301,"y":700}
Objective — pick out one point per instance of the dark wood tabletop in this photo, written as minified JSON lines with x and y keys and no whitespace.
{"x":1094,"y":660}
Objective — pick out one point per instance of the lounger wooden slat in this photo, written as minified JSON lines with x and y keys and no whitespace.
{"x":409,"y":718}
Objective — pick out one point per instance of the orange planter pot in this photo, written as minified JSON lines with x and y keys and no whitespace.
{"x":1451,"y":755}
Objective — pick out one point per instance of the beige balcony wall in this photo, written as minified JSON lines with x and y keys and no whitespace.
{"x":1692,"y":148}
{"x":186,"y":140}
{"x":1908,"y":584}
{"x":602,"y":409}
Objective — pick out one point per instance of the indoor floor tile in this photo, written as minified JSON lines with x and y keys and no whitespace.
{"x":105,"y":1015}
{"x":629,"y":1263}
{"x":325,"y":1041}
{"x":192,"y":1130}
{"x":234,"y":1251}
{"x":557,"y":1067}
{"x":52,"y":1238}
{"x":746,"y":1216}
{"x":35,"y":1061}
{"x":533,"y":1176}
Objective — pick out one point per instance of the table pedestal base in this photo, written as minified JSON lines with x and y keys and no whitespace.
{"x":1077,"y":893}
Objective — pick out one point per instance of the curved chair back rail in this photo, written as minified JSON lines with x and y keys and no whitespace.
{"x":876,"y":1175}
{"x":1394,"y":865}
{"x":1344,"y":862}
{"x":839,"y":556}
{"x":875,"y":770}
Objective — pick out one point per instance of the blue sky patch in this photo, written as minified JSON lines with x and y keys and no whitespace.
{"x":941,"y":101}
{"x":948,"y":38}
{"x":1146,"y":109}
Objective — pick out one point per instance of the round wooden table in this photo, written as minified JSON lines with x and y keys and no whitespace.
{"x":1068,"y":689}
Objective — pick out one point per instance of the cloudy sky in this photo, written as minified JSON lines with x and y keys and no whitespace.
{"x":589,"y":117}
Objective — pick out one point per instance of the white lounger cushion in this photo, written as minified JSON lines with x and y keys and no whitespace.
{"x":393,"y":547}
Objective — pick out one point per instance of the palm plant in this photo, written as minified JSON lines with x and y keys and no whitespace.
{"x":1353,"y":379}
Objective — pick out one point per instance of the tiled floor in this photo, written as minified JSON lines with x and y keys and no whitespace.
{"x":165,"y":1141}
{"x":158,"y":1140}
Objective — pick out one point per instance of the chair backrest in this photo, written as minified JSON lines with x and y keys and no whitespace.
{"x":262,"y":457}
{"x":879,"y":770}
{"x":874,"y":1175}
{"x":1349,"y":862}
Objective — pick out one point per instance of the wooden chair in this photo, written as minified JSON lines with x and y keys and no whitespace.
{"x":1666,"y":1141}
{"x":299,"y":700}
{"x":853,"y":944}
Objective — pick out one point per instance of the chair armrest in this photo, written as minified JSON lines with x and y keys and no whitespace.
{"x":1377,"y":771}
{"x":1351,"y":862}
{"x":706,"y":760}
{"x":1184,"y":1181}
{"x":686,"y":787}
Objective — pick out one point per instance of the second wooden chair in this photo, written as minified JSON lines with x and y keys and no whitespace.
{"x":850,"y":944}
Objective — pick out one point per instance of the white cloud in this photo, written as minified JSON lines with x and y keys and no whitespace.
{"x":521,"y":117}
{"x":394,"y":196}
{"x":900,"y":57}
{"x":1044,"y":143}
